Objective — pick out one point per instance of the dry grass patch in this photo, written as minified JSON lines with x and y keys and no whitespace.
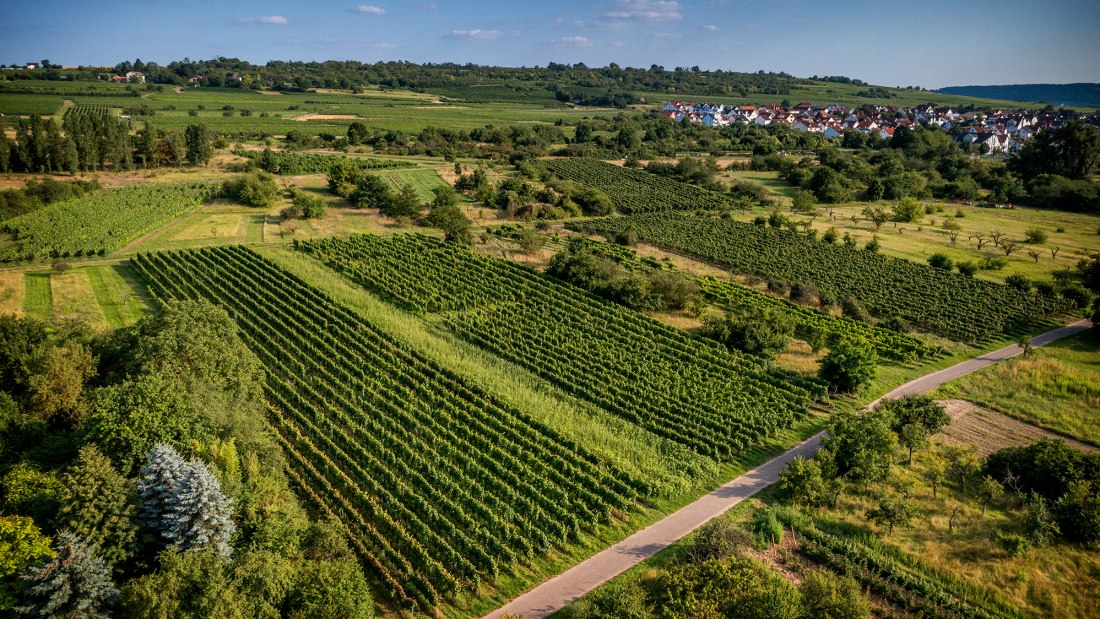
{"x":989,"y":431}
{"x":11,"y":292}
{"x":74,"y":298}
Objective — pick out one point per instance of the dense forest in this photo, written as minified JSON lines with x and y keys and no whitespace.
{"x":610,"y":85}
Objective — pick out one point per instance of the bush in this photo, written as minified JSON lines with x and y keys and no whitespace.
{"x":1019,"y":282}
{"x":941,"y":261}
{"x":1035,"y":235}
{"x":825,"y":594}
{"x":718,"y":539}
{"x":766,"y":527}
{"x":853,"y":308}
{"x":1014,"y":544}
{"x":967,"y":268}
{"x":257,"y":189}
{"x":311,"y":206}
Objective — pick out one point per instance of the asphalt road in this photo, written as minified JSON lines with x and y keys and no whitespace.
{"x":589,"y":574}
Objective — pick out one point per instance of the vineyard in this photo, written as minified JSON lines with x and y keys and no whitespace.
{"x":438,"y":485}
{"x":899,"y":579}
{"x":100,"y":222}
{"x":312,"y":163}
{"x":959,"y":307}
{"x":887,"y":343}
{"x":687,"y":390}
{"x":634,"y":191}
{"x":422,"y":182}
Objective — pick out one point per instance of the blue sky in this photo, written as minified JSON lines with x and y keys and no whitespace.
{"x":930,"y":43}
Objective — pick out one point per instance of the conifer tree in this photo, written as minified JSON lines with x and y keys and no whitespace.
{"x":75,"y":585}
{"x":97,"y":504}
{"x":201,"y":516}
{"x":160,"y":477}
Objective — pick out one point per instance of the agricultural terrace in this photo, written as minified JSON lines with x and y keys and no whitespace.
{"x":99,"y":223}
{"x":439,"y":486}
{"x":635,"y":191}
{"x":959,"y":307}
{"x":678,"y":387}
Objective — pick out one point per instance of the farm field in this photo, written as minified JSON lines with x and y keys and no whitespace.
{"x":311,"y":112}
{"x":422,"y":181}
{"x":682,"y":404}
{"x":1057,"y":388}
{"x":437,"y":482}
{"x":634,"y":191}
{"x":916,"y":242}
{"x":952,"y":305}
{"x":100,"y":223}
{"x":104,"y":296}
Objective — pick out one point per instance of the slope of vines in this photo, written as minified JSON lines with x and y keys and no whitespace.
{"x":100,"y":222}
{"x":438,"y":485}
{"x":635,"y":191}
{"x":315,"y":163}
{"x":685,"y":389}
{"x":887,"y":343}
{"x":959,"y":307}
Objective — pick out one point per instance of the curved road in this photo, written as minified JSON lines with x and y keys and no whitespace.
{"x":573,"y":583}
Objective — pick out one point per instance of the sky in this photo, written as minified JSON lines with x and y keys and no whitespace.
{"x":931,"y":43}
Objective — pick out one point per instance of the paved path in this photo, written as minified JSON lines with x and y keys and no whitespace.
{"x":573,"y":583}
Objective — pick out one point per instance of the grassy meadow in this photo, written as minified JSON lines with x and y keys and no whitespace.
{"x":1055,"y":387}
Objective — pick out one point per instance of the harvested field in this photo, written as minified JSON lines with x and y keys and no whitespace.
{"x":11,"y":292}
{"x":305,"y":117}
{"x":989,"y":431}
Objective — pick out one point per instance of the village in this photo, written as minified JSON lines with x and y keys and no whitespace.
{"x":988,"y":132}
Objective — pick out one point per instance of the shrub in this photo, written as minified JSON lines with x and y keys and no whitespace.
{"x":967,"y":268}
{"x":941,"y":261}
{"x":1014,"y":544}
{"x":1019,"y":282}
{"x":766,"y":527}
{"x":825,"y":594}
{"x":1035,"y":235}
{"x":256,"y":189}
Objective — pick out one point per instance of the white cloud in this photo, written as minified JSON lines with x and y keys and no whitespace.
{"x":653,"y":10}
{"x":369,"y":9}
{"x":275,"y":20}
{"x":711,"y":28}
{"x":667,"y":35}
{"x":477,"y":33}
{"x":576,"y":41}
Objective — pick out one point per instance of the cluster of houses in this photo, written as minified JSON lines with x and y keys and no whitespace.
{"x":133,"y":77}
{"x":991,"y":132}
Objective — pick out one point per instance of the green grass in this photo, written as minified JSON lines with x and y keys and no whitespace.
{"x":75,"y":299}
{"x":1057,"y":387}
{"x":37,"y":295}
{"x":422,"y":181}
{"x":119,"y":294}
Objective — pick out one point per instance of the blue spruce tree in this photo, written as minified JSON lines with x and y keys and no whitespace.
{"x":200,"y":516}
{"x":160,"y":477}
{"x":77,"y":584}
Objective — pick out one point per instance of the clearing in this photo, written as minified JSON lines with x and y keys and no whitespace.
{"x":989,"y":430}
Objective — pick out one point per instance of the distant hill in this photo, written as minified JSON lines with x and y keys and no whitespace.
{"x":1070,"y":95}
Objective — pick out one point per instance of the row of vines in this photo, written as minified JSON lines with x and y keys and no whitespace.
{"x":808,"y":321}
{"x":101,"y":222}
{"x":286,"y":163}
{"x":635,"y":191}
{"x":439,"y":486}
{"x":956,"y":306}
{"x":685,"y":389}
